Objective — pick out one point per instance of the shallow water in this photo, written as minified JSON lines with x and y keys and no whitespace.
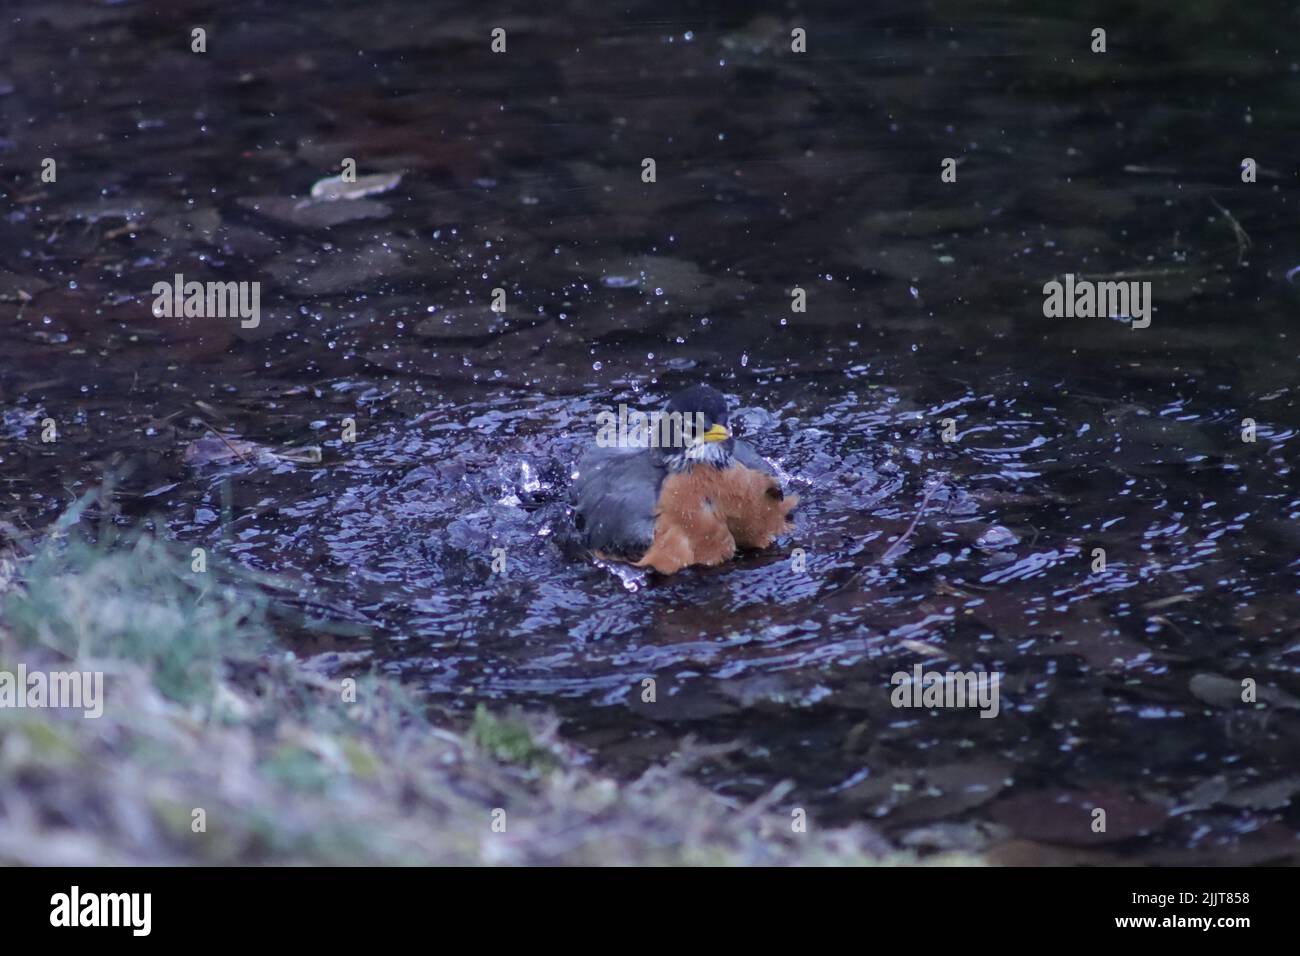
{"x":522,"y":171}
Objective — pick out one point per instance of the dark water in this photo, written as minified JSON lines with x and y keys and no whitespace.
{"x":521,"y":171}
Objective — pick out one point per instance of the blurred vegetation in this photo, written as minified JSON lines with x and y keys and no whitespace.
{"x":202,"y":712}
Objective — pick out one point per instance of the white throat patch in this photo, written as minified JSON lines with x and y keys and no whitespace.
{"x":712,"y":452}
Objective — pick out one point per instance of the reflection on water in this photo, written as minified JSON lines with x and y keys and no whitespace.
{"x":1121,"y":672}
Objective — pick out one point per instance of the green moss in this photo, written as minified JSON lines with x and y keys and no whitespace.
{"x":508,"y":739}
{"x":37,"y":741}
{"x":361,"y":759}
{"x":296,"y":767}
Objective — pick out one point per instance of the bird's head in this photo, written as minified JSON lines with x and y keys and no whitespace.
{"x":698,"y":420}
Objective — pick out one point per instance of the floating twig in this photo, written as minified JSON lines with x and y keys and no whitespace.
{"x":1243,"y":238}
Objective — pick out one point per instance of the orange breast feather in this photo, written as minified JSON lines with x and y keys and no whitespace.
{"x":706,"y":513}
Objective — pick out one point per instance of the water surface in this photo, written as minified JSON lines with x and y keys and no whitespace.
{"x":521,"y":171}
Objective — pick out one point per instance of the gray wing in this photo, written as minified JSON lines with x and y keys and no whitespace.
{"x":614,"y":497}
{"x":744,"y":453}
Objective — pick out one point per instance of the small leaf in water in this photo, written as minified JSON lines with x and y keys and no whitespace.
{"x":214,"y":449}
{"x":306,"y":455}
{"x":218,"y":449}
{"x":334,"y":187}
{"x":1215,"y":690}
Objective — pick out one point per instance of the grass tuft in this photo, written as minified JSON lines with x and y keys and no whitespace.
{"x":217,"y":746}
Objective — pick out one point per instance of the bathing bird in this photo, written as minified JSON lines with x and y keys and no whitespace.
{"x":686,"y":492}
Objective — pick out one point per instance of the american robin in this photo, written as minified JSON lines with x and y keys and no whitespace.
{"x":694,"y":495}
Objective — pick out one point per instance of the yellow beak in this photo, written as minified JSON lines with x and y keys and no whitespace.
{"x":716,"y":433}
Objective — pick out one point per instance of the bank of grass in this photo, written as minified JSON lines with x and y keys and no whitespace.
{"x":207,"y":719}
